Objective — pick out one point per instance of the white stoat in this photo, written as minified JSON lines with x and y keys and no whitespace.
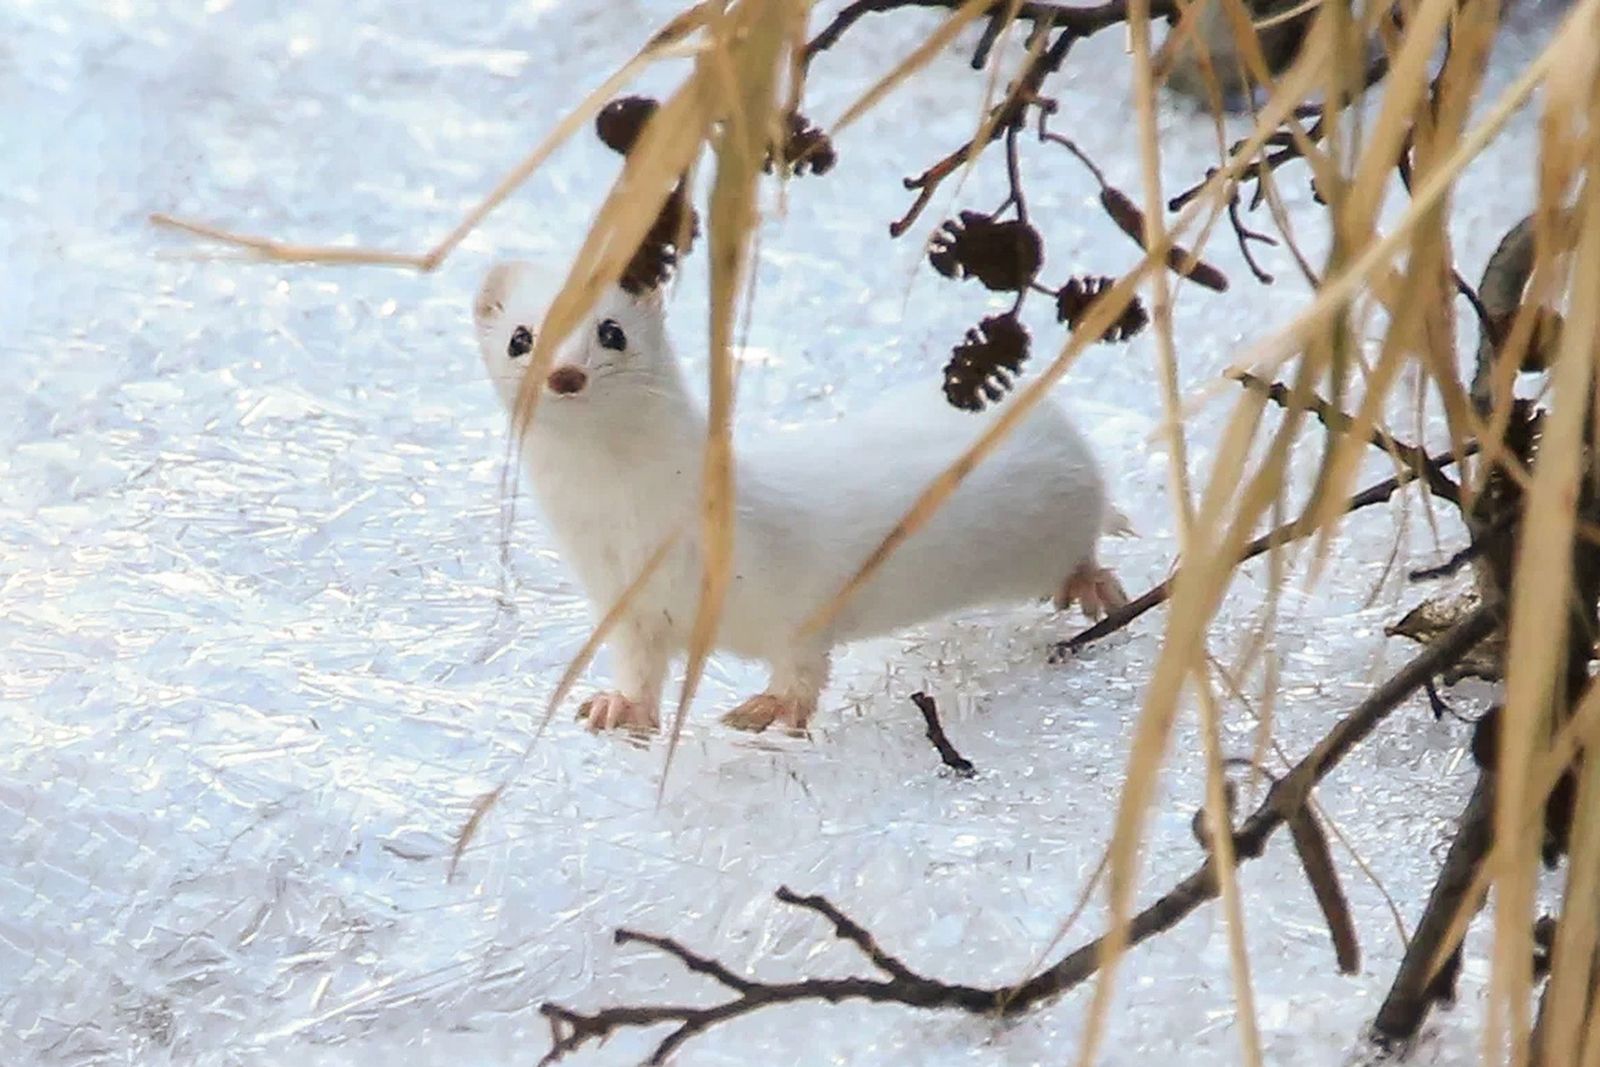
{"x":614,"y":457}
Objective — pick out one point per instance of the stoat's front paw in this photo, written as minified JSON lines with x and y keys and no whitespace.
{"x":1094,"y":588}
{"x":611,"y":711}
{"x":760,"y":712}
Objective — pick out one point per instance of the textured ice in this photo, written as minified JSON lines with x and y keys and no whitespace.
{"x":259,"y":653}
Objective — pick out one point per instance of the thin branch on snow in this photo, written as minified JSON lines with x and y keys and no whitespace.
{"x":947,"y":752}
{"x":899,"y":984}
{"x":1283,"y":534}
{"x":1339,"y":422}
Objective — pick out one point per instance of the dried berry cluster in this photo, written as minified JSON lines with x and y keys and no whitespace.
{"x":673,"y":233}
{"x":1074,"y":298}
{"x":1004,"y":256}
{"x":806,"y":150}
{"x":621,"y":121}
{"x":982,"y":368}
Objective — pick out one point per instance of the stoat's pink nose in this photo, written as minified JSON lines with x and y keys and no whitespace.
{"x":567,"y":380}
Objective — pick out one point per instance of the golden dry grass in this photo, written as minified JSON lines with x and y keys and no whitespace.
{"x":746,"y":73}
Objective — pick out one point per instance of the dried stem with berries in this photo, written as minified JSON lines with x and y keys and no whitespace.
{"x":1376,"y":110}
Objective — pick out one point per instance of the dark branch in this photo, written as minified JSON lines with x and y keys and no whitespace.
{"x":1412,"y":456}
{"x":1415,"y":987}
{"x":846,"y":929}
{"x":1288,"y":147}
{"x":1076,"y":21}
{"x":1283,"y":534}
{"x":1283,"y":802}
{"x":1246,"y":235}
{"x":947,"y":752}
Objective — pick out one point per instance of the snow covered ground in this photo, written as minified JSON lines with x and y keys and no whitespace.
{"x":252,"y":663}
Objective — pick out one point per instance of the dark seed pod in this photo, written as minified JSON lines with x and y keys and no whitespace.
{"x":658,"y":254}
{"x":1074,"y":298}
{"x":1004,"y":256}
{"x":982,"y":368}
{"x":621,"y":121}
{"x":1123,"y":212}
{"x":806,"y":149}
{"x":1130,"y":220}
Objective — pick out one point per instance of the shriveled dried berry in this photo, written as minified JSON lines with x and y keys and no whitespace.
{"x":1004,"y":256}
{"x":982,"y":368}
{"x":1074,"y":298}
{"x":806,"y":149}
{"x":1130,"y":220}
{"x":621,"y":121}
{"x":658,"y":254}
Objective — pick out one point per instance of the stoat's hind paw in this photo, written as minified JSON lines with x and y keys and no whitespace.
{"x":1094,"y":588}
{"x":760,"y":712}
{"x":612,"y":711}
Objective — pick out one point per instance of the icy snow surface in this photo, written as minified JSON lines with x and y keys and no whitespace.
{"x":253,"y":667}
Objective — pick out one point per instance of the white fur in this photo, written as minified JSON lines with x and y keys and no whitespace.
{"x":616,"y":467}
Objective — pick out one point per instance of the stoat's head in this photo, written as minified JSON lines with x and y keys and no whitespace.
{"x":621,"y":345}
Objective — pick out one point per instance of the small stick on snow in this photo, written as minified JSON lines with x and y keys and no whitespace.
{"x":896,"y":983}
{"x":1293,"y":530}
{"x":947,"y":752}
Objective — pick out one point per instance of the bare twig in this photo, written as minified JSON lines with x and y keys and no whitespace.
{"x":899,"y":984}
{"x":1246,"y":235}
{"x":1415,"y":988}
{"x":1283,"y":534}
{"x":947,"y":752}
{"x":1001,"y":119}
{"x":1316,"y":859}
{"x":1337,"y":421}
{"x":1288,"y":147}
{"x":1077,"y":21}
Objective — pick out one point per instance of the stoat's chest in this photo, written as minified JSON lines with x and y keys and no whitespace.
{"x":609,"y":502}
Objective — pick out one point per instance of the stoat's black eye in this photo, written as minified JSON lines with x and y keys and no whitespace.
{"x":521,"y":342}
{"x":611,"y":336}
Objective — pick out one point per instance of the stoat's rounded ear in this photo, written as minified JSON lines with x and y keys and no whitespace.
{"x":496,"y":287}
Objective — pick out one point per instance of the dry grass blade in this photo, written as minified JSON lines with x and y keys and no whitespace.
{"x":1574,"y":955}
{"x":602,"y":630}
{"x":1198,"y":588}
{"x":272,"y":250}
{"x":650,"y":172}
{"x":1537,"y":634}
{"x":1218,"y":809}
{"x":1096,"y":320}
{"x":750,"y":42}
{"x":569,"y":678}
{"x":1079,"y":906}
{"x":469,"y":829}
{"x":1219,"y":812}
{"x":1581,"y":732}
{"x":267,"y":248}
{"x":1338,"y":289}
{"x":988,"y":116}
